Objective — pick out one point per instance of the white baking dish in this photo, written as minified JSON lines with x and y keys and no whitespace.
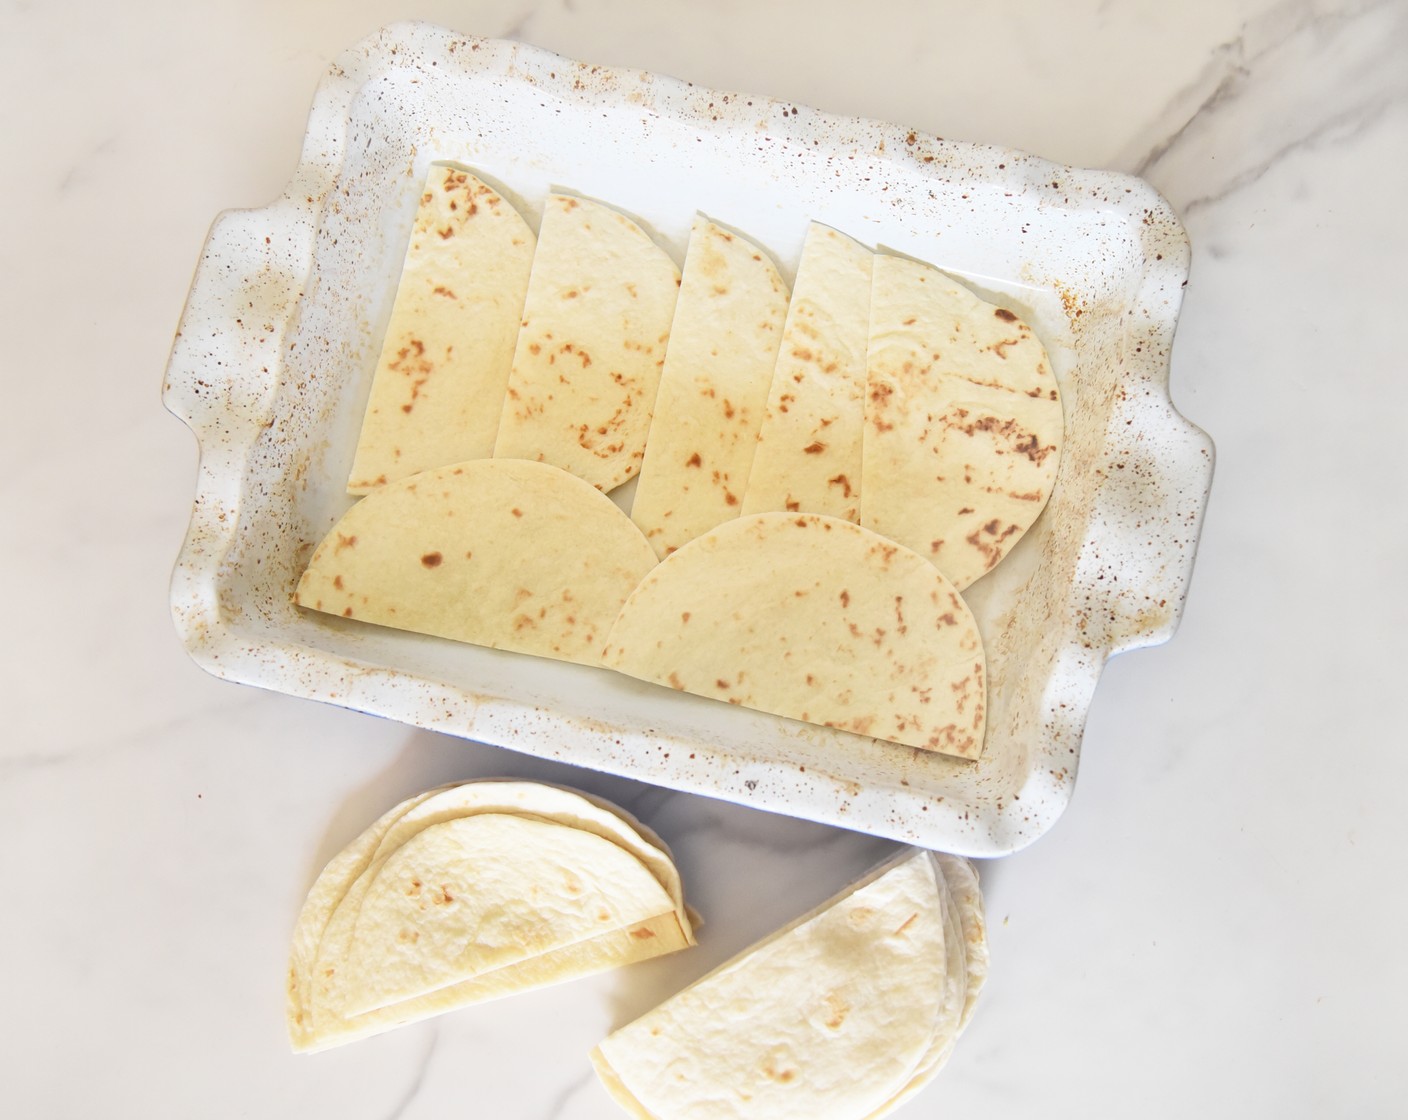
{"x":273,"y":361}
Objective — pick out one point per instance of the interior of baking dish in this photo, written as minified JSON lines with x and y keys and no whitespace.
{"x":273,"y":363}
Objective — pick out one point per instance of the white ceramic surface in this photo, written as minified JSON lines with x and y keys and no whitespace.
{"x":273,"y":363}
{"x":1213,"y":929}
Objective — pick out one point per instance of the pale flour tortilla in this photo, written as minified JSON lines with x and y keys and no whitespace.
{"x":815,"y":619}
{"x":966,"y":890}
{"x":612,"y":949}
{"x":539,"y":801}
{"x":963,"y":421}
{"x":439,"y":383}
{"x":327,"y":891}
{"x":828,"y":1019}
{"x":809,"y":448}
{"x":476,"y":894}
{"x":498,"y":552}
{"x":328,"y":920}
{"x":950,"y":1021}
{"x":587,"y":362}
{"x":723,"y":346}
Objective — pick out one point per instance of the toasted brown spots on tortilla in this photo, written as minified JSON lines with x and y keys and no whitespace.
{"x":837,"y":1010}
{"x":347,"y":612}
{"x":1005,"y":315}
{"x":431,"y":559}
{"x":816,"y":447}
{"x":675,"y":681}
{"x":843,"y":482}
{"x":337,"y":582}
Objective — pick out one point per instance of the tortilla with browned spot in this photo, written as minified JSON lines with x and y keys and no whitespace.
{"x":439,"y":383}
{"x":473,"y":892}
{"x":816,"y":619}
{"x":723,"y":345}
{"x":591,"y":344}
{"x":963,"y":421}
{"x":499,"y":552}
{"x":828,"y":1019}
{"x":809,"y":448}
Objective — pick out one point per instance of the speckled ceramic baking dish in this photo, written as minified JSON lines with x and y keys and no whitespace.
{"x":273,"y":361}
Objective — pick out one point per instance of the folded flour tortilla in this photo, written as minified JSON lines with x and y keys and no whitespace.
{"x":723,"y":345}
{"x":963,"y":421}
{"x":587,"y":363}
{"x":439,"y":383}
{"x":499,"y":552}
{"x":809,"y":448}
{"x":840,"y":1015}
{"x":470,"y":893}
{"x":816,"y":619}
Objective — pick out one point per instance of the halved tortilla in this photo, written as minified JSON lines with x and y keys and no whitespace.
{"x":327,"y":891}
{"x":963,"y":421}
{"x":809,"y":448}
{"x":499,"y":552}
{"x":816,"y":619}
{"x":967,"y":894}
{"x":537,"y":801}
{"x":346,"y":984}
{"x":439,"y":383}
{"x":591,"y":345}
{"x":951,"y":1019}
{"x":476,"y":894}
{"x":829,"y":1018}
{"x":723,"y":345}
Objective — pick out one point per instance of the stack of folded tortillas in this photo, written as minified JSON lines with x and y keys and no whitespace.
{"x":843,"y":1015}
{"x":477,"y":891}
{"x":473,"y":892}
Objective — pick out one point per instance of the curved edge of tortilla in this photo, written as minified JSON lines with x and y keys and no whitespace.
{"x":496,"y":795}
{"x":626,"y":1098}
{"x":647,"y":643}
{"x":442,"y":369}
{"x":320,"y":903}
{"x":978,"y":394}
{"x":411,"y":564}
{"x":668,"y":933}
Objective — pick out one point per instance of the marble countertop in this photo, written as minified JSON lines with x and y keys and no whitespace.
{"x":1211,"y":929}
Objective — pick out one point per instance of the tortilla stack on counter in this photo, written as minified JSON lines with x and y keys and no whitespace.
{"x":723,"y":345}
{"x":963,"y":421}
{"x":816,"y":619}
{"x":964,"y":920}
{"x":843,"y":1014}
{"x":470,"y":893}
{"x":591,"y":344}
{"x":439,"y":383}
{"x":809,"y":449}
{"x":498,"y":552}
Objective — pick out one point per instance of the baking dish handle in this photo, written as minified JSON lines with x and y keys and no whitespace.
{"x":1145,"y":526}
{"x":221,"y":375}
